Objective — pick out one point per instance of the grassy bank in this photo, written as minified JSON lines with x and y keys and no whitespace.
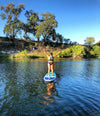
{"x":33,"y":54}
{"x":24,"y":54}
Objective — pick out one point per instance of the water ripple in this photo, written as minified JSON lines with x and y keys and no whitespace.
{"x":76,"y":91}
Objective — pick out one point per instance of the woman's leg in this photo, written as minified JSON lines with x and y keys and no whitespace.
{"x":49,"y":68}
{"x":52,"y":69}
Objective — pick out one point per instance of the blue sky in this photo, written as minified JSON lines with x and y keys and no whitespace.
{"x":77,"y":19}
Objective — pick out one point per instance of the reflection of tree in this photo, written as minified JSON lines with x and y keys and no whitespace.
{"x":23,"y":84}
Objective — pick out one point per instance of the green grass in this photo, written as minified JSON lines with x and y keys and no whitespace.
{"x":24,"y":54}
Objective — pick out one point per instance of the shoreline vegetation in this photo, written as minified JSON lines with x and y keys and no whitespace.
{"x":72,"y":51}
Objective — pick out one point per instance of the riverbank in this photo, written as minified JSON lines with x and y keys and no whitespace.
{"x":35,"y":53}
{"x":75,"y":52}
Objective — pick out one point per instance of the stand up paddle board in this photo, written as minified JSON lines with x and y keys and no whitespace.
{"x":50,"y":77}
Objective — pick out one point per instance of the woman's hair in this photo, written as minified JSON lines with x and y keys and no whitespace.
{"x":51,"y":53}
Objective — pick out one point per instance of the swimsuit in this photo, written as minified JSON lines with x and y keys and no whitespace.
{"x":50,"y":63}
{"x":50,"y":60}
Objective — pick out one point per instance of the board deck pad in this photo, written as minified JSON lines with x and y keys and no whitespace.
{"x":50,"y":77}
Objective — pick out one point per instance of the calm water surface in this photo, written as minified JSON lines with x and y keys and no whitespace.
{"x":75,"y":92}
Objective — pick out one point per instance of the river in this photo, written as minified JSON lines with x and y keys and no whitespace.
{"x":75,"y":92}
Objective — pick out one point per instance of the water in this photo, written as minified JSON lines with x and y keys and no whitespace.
{"x":75,"y":92}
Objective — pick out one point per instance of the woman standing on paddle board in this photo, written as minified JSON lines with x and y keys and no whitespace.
{"x":50,"y":61}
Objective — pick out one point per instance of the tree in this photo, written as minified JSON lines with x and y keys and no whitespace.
{"x":59,"y":38}
{"x":46,"y":27}
{"x":25,"y":28}
{"x":89,"y":41}
{"x":98,"y":43}
{"x":32,"y":22}
{"x":66,"y":41}
{"x":11,"y":14}
{"x":75,"y":43}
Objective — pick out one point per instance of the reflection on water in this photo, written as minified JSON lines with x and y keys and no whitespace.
{"x":76,"y":91}
{"x":50,"y":90}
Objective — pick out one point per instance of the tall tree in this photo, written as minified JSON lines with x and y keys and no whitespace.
{"x":89,"y":41}
{"x":47,"y":26}
{"x":11,"y":14}
{"x":32,"y":22}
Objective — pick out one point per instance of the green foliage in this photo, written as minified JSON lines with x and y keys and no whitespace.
{"x":32,"y":22}
{"x":36,"y":44}
{"x":30,"y":47}
{"x":11,"y":13}
{"x":89,"y":41}
{"x":74,"y":43}
{"x":62,"y":46}
{"x":65,"y":53}
{"x":46,"y":26}
{"x":78,"y":50}
{"x":41,"y":27}
{"x":74,"y":50}
{"x":95,"y":51}
{"x":23,"y":53}
{"x":66,"y":41}
{"x":48,"y":47}
{"x":98,"y":43}
{"x":59,"y":38}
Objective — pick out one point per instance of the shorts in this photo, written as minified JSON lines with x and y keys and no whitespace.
{"x":50,"y":63}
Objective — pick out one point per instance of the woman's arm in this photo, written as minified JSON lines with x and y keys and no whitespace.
{"x":56,"y":54}
{"x":46,"y":53}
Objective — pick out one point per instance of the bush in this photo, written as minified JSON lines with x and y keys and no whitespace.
{"x":30,"y":47}
{"x":47,"y":47}
{"x":23,"y":53}
{"x":65,"y":53}
{"x":75,"y":50}
{"x":95,"y":51}
{"x":78,"y":50}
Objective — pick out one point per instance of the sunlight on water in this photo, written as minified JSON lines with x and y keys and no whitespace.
{"x":75,"y":92}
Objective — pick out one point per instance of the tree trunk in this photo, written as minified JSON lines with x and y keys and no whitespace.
{"x":13,"y":34}
{"x":38,"y":39}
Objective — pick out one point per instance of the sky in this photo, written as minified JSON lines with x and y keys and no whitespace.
{"x":77,"y":19}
